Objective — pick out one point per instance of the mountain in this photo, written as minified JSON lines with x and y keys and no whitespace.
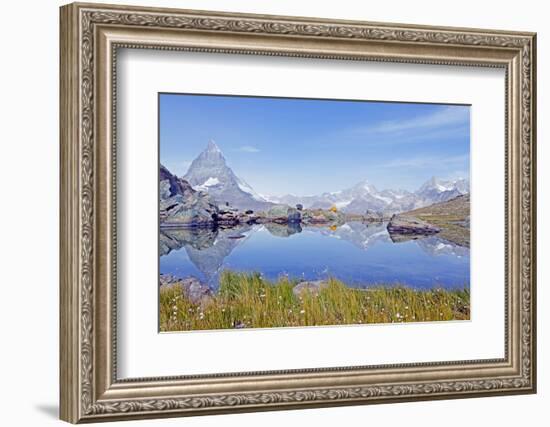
{"x":436,"y":190}
{"x":181,"y":204}
{"x":209,"y":173}
{"x":457,"y":207}
{"x":358,"y":198}
{"x":451,"y":216}
{"x":364,"y":196}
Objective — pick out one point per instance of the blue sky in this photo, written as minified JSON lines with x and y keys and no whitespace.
{"x":303,"y":146}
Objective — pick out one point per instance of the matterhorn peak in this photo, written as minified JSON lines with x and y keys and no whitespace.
{"x":213,"y":147}
{"x":210,"y":173}
{"x":211,"y":155}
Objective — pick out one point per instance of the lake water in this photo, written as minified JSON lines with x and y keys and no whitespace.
{"x":359,"y":254}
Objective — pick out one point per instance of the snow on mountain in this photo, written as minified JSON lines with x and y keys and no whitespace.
{"x":209,"y":173}
{"x":248,"y":189}
{"x":210,"y":182}
{"x":364,"y":196}
{"x":435,"y":190}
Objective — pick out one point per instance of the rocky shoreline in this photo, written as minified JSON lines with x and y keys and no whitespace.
{"x":199,"y":293}
{"x":278,"y":214}
{"x":181,"y":206}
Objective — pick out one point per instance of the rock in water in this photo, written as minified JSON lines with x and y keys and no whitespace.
{"x":294,"y":216}
{"x":278,"y":211}
{"x":283,"y":214}
{"x":403,"y":224}
{"x":228,"y":217}
{"x":321,"y":216}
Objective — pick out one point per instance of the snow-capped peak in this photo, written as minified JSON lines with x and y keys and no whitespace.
{"x":210,"y":173}
{"x":212,"y":147}
{"x":434,"y":189}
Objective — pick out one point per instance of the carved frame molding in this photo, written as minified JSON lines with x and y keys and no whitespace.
{"x":90,"y":36}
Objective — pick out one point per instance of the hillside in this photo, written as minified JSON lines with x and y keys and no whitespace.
{"x":452,"y":216}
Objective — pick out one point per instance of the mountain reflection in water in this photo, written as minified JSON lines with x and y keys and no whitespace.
{"x":359,"y":254}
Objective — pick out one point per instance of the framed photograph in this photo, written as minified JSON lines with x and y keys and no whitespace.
{"x":266,"y":212}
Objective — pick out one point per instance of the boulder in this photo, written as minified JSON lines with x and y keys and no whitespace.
{"x":168,"y":280}
{"x":294,"y":216}
{"x":404,"y":224}
{"x":180,"y":205}
{"x":322,"y":216}
{"x":283,"y":214}
{"x":311,"y":286}
{"x":278,"y":211}
{"x":191,"y":287}
{"x":249,"y":217}
{"x":227,"y":217}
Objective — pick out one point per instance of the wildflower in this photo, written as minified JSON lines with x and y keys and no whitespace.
{"x":302,"y":311}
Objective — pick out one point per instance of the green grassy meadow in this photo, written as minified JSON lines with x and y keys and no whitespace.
{"x":250,"y":301}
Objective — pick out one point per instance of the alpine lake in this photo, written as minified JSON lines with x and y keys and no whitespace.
{"x":359,"y":254}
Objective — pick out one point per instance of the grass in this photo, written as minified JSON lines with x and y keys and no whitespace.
{"x":448,"y":216}
{"x":249,"y":301}
{"x":449,"y":229}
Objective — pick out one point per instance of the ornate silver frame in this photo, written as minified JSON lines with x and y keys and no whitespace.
{"x":90,"y":36}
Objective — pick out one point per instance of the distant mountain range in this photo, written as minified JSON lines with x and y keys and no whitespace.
{"x":210,"y":173}
{"x":364,"y":196}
